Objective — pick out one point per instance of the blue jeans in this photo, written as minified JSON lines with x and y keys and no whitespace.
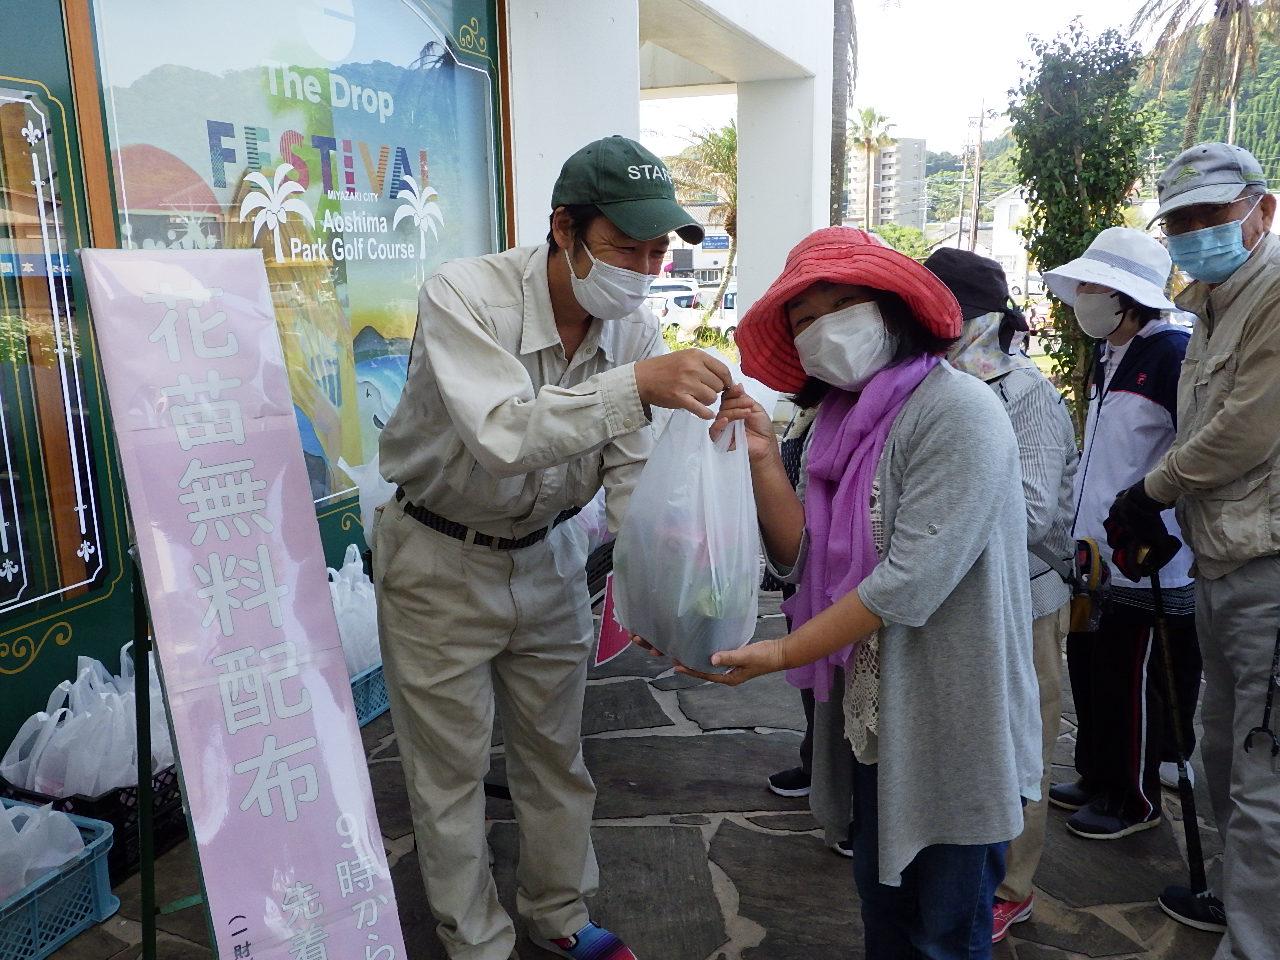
{"x":942,"y":911}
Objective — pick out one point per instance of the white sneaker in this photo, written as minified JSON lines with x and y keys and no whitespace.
{"x":1169,"y":775}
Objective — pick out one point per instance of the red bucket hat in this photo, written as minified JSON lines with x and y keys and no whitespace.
{"x":837,"y":255}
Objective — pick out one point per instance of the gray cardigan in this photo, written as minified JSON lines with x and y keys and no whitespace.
{"x":959,"y":729}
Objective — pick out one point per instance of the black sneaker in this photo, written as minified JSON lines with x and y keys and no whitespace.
{"x":1071,"y":796}
{"x":1200,"y":910}
{"x":1102,"y":820}
{"x":790,"y":783}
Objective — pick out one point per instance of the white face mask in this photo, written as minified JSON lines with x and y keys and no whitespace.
{"x":1098,"y":314}
{"x":848,"y":347}
{"x":608,"y":292}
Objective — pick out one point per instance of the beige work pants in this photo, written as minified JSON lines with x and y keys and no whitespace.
{"x":1047,"y":634}
{"x":461,"y":626}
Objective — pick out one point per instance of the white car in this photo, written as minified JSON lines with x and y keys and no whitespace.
{"x":677,"y":309}
{"x":674,"y":285}
{"x":726,"y":317}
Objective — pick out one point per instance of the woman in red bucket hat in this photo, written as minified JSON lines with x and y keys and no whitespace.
{"x":907,"y":542}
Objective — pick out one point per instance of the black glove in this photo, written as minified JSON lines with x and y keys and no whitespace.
{"x":1137,"y":561}
{"x":1135,"y":519}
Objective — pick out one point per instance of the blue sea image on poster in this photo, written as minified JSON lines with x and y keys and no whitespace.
{"x":346,"y":140}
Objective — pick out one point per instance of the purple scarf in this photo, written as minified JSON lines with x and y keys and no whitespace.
{"x":848,"y":439}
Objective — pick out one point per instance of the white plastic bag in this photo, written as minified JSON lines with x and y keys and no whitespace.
{"x":85,"y":740}
{"x":686,"y":559}
{"x":578,"y":537}
{"x":356,"y":610}
{"x":374,"y":491}
{"x":34,"y":841}
{"x":162,"y":755}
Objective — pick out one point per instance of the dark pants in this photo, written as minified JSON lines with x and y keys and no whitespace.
{"x":806,"y":745}
{"x":942,"y":911}
{"x":1125,"y":725}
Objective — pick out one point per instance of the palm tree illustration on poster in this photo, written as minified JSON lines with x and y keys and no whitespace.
{"x":420,"y":209}
{"x":272,"y":203}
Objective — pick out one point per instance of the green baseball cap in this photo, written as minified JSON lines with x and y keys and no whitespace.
{"x":1208,"y":173}
{"x":631,"y":186}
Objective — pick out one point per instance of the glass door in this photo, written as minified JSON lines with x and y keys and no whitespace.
{"x":62,"y":587}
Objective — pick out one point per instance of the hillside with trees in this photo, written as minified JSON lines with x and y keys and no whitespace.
{"x":1258,"y":110}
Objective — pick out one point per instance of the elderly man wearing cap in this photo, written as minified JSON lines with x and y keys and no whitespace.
{"x":1223,"y":472}
{"x":531,"y":383}
{"x":1117,"y":674}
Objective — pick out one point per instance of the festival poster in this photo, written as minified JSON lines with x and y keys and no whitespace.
{"x":265,"y":730}
{"x":345,"y":139}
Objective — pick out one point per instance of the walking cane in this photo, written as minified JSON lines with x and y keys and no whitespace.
{"x":1186,"y":793}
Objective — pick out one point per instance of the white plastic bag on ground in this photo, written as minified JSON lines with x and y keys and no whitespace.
{"x":374,"y":491}
{"x":34,"y":841}
{"x":161,"y":742}
{"x":85,"y":740}
{"x":356,"y":610}
{"x":686,"y":559}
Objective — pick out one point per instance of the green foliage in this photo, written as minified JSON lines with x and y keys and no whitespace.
{"x":1225,"y":35}
{"x":13,"y":338}
{"x":869,"y":134}
{"x":706,"y":337}
{"x":1082,"y":144}
{"x":943,"y":191}
{"x":707,"y":170}
{"x":942,"y":183}
{"x":908,"y":240}
{"x":941,"y":162}
{"x":1258,"y":110}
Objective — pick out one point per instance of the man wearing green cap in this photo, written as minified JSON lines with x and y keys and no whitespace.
{"x":1223,"y":473}
{"x":532,"y":378}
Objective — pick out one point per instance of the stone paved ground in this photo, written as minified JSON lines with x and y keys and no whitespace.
{"x":700,"y":862}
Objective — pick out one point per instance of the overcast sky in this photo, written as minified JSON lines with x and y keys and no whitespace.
{"x":927,"y":64}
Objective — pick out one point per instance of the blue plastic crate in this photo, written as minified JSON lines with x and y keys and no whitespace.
{"x":369,"y":691}
{"x":39,"y":919}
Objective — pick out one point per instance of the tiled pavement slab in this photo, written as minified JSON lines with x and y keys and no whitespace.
{"x":797,"y":890}
{"x":1090,"y":873}
{"x":766,"y":702}
{"x":700,"y":862}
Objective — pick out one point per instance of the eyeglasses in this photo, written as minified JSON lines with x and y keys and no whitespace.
{"x":1200,"y":216}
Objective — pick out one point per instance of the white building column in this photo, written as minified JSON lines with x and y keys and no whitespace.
{"x":784,"y":172}
{"x":575,"y":77}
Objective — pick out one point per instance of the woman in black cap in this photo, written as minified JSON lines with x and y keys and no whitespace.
{"x":1047,"y":451}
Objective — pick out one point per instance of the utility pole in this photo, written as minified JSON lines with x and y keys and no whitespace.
{"x":977,"y":180}
{"x":964,"y":171}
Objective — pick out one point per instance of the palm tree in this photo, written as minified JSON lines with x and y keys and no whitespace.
{"x":871,"y":134}
{"x":1229,"y":45}
{"x":844,"y":76}
{"x":274,"y":202}
{"x":707,"y":170}
{"x":419,"y":206}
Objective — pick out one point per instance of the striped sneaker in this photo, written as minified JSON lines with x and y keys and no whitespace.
{"x":592,"y":942}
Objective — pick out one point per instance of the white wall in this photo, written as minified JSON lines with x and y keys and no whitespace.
{"x":575,"y":77}
{"x":784,"y":141}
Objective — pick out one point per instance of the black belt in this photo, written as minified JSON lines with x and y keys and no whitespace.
{"x":464,"y":533}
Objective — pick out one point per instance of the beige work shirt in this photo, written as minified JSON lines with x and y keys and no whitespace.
{"x":1224,"y":466}
{"x":496,"y":428}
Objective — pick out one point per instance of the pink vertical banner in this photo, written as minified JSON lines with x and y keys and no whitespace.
{"x":614,"y":637}
{"x":270,"y":753}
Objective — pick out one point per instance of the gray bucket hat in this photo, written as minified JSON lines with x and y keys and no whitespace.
{"x":1212,"y":173}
